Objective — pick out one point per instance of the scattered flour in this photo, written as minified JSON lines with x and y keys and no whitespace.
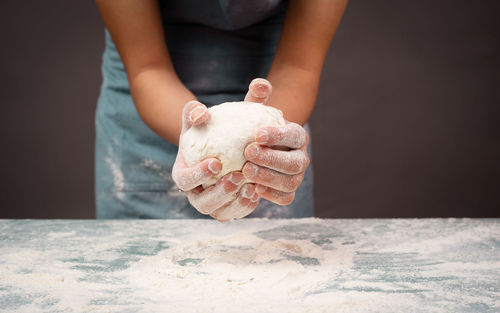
{"x":253,"y":265}
{"x":238,"y":267}
{"x":118,"y":177}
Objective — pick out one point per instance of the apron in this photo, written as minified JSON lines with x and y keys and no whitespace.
{"x":217,"y":48}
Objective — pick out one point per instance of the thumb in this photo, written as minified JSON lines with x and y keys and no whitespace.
{"x":259,"y":91}
{"x":194,"y":113}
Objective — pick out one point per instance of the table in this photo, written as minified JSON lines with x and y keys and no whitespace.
{"x":250,"y":265}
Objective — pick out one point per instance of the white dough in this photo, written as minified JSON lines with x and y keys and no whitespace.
{"x":231,"y":127}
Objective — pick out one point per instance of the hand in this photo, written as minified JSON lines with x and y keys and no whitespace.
{"x":225,"y":200}
{"x":259,"y":91}
{"x":277,"y":161}
{"x":188,"y":177}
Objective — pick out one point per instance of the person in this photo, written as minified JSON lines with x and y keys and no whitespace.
{"x":165,"y":62}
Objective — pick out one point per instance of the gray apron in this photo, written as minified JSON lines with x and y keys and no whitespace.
{"x":217,"y":48}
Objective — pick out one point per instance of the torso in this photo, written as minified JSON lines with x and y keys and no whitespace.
{"x":216,"y":49}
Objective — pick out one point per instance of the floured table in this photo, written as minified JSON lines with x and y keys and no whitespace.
{"x":251,"y":265}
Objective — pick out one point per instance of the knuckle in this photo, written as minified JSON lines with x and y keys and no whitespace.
{"x":294,"y":128}
{"x":175,"y":173}
{"x":297,"y":134}
{"x":301,"y":165}
{"x":195,"y":202}
{"x":291,"y":183}
{"x":221,"y":219}
{"x":174,"y":177}
{"x":181,"y":184}
{"x":201,"y":210}
{"x":216,"y":215}
{"x":307,"y":161}
{"x":287,"y":198}
{"x":296,"y":167}
{"x":288,"y":188}
{"x":295,"y":182}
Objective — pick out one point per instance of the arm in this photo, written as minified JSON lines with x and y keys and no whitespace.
{"x":296,"y":69}
{"x":295,"y":72}
{"x":167,"y":106}
{"x":158,"y":94}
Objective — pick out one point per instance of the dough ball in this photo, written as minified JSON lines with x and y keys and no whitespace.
{"x":231,"y":127}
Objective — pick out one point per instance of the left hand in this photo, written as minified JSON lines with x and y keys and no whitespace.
{"x":224,"y":200}
{"x":277,"y":161}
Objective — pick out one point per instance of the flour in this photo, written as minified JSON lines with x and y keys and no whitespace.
{"x":251,"y":265}
{"x":114,"y":166}
{"x":231,"y":127}
{"x":241,"y":263}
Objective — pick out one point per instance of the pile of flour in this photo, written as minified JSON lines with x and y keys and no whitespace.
{"x":227,"y":271}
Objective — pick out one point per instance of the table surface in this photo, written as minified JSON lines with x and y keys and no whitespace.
{"x":250,"y":265}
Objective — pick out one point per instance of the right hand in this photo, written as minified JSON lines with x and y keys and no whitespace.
{"x":224,"y":200}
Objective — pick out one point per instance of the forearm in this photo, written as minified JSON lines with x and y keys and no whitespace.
{"x":308,"y":29}
{"x":294,"y":92}
{"x":159,"y":97}
{"x":136,"y":29}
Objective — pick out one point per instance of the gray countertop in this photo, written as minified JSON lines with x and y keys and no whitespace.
{"x":250,"y":265}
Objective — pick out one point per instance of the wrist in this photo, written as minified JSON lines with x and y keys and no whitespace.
{"x":294,"y":91}
{"x":159,"y":97}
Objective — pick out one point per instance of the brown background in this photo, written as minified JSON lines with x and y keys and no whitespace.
{"x":407,"y":122}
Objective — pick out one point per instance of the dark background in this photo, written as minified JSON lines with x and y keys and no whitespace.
{"x":407,"y":122}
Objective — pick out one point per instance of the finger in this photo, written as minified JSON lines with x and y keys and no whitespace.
{"x":288,"y":162}
{"x":243,"y":205}
{"x":291,"y":135}
{"x":276,"y":196}
{"x":249,"y":199}
{"x":271,"y":178}
{"x":259,"y":91}
{"x":188,"y":178}
{"x":194,"y":113}
{"x":208,"y":200}
{"x":248,"y":209}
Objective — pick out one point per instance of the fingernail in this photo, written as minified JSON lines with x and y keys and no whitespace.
{"x":260,"y":88}
{"x":249,"y":192}
{"x":236,"y":178}
{"x":260,"y":189}
{"x":250,"y":170}
{"x":196,"y":114}
{"x":261,"y":83}
{"x":262,"y":136}
{"x":214,"y":166}
{"x":251,"y":152}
